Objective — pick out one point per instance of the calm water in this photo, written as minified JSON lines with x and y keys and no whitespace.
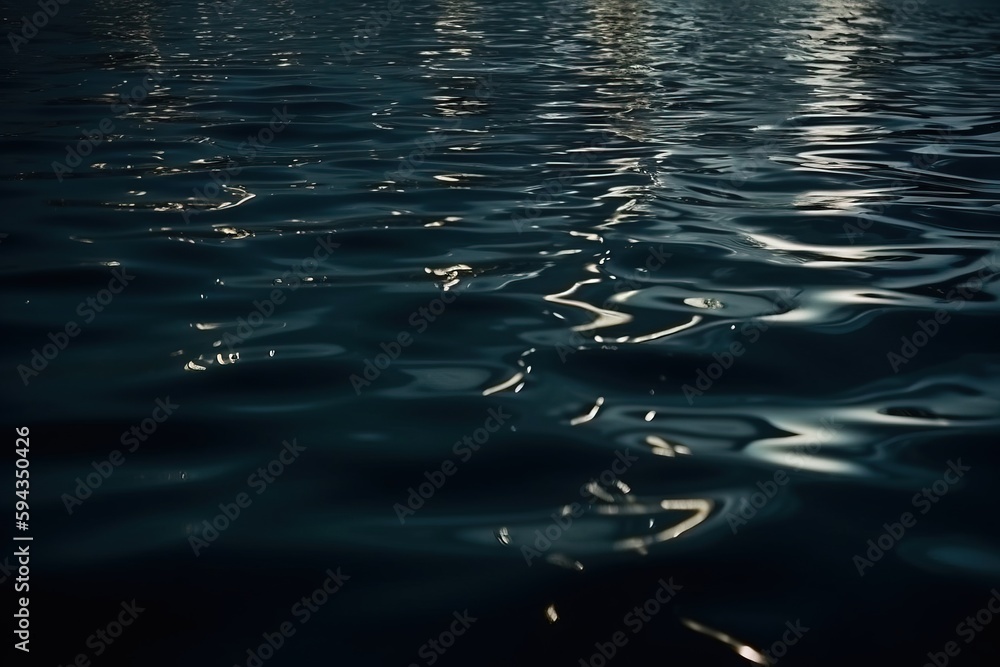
{"x":696,"y":290}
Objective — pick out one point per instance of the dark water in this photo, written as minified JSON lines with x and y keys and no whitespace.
{"x":729,"y":267}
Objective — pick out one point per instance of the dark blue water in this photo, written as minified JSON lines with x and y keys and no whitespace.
{"x":641,"y":332}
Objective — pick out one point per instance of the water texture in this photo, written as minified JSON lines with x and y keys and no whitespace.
{"x":537,"y":310}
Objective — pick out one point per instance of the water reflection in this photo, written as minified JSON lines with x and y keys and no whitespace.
{"x":729,"y":142}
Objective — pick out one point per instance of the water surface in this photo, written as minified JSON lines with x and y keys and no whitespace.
{"x":724,"y":273}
